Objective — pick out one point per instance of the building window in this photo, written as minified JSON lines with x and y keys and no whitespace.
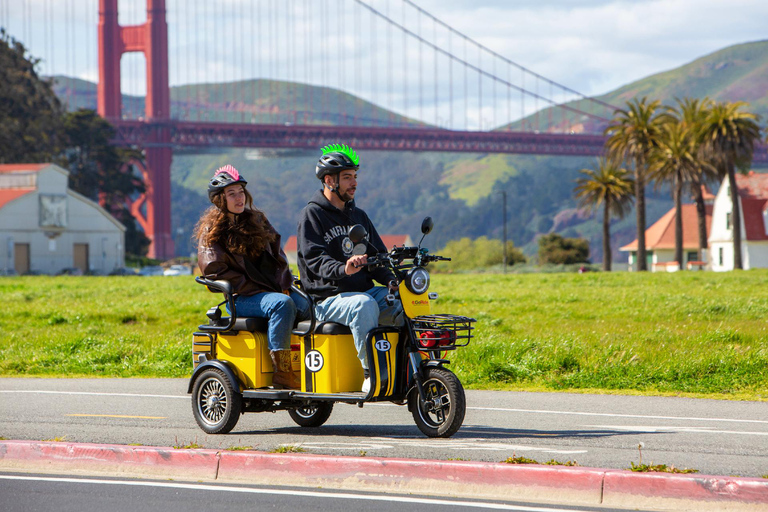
{"x":728,"y":220}
{"x":720,"y":256}
{"x":693,"y":256}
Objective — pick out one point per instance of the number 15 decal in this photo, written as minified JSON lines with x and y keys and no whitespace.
{"x":382,"y":345}
{"x":314,"y":361}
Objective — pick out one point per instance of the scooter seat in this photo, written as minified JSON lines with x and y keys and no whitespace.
{"x":250,"y":324}
{"x":331,"y":328}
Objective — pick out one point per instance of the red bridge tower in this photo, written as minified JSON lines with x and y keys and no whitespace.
{"x":151,"y":38}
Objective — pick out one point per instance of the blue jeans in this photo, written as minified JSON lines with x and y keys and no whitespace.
{"x":361,"y":311}
{"x":279,"y":309}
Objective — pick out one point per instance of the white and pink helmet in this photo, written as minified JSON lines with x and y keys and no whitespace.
{"x":222,"y":178}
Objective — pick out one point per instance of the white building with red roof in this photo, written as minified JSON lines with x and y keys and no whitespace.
{"x":753,"y":203}
{"x":291,"y":247}
{"x":660,"y":240}
{"x":45,"y":227}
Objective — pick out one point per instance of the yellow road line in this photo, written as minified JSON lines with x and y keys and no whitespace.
{"x":117,"y":416}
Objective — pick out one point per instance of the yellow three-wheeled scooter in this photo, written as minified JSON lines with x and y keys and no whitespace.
{"x":233,"y":370}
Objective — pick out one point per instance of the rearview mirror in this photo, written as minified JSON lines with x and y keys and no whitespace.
{"x":426,"y":225}
{"x":357,"y":233}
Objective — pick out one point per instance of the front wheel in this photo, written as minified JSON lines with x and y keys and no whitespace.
{"x":215,"y":403}
{"x":312,"y":415}
{"x":442,"y":414}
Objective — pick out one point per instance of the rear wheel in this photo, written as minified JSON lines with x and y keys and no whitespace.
{"x":312,"y":415}
{"x":442,"y":414}
{"x":215,"y":403}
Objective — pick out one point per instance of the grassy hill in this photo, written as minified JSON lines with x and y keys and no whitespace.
{"x":249,"y":101}
{"x":735,"y":73}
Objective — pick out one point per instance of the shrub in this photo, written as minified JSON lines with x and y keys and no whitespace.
{"x":467,"y":254}
{"x":555,"y":249}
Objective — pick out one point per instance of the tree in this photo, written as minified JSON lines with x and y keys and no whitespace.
{"x":30,"y":113}
{"x":692,"y":113}
{"x":729,"y":137}
{"x":467,"y":254}
{"x":632,"y":134}
{"x":674,"y":160}
{"x":99,"y":171}
{"x":609,"y":185}
{"x":555,"y":249}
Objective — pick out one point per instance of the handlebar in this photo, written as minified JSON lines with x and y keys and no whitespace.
{"x":398,"y":254}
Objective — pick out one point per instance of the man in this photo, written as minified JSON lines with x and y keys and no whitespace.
{"x":332,"y":268}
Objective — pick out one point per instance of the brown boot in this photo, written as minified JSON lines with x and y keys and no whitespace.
{"x":284,"y":377}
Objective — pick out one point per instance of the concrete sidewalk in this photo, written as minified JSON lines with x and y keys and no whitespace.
{"x":536,"y":483}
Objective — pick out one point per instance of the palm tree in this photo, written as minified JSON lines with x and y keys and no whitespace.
{"x":632,"y":134}
{"x":674,"y":160}
{"x":611,"y":185}
{"x":692,"y":113}
{"x":729,"y":137}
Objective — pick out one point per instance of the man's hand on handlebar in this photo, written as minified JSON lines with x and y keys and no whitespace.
{"x":355,"y":263}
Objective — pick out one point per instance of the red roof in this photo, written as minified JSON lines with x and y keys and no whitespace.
{"x":753,"y":185}
{"x":22,"y":167}
{"x":9,"y":194}
{"x":753,"y":218}
{"x":662,"y":234}
{"x":389,"y":242}
{"x":753,"y":190}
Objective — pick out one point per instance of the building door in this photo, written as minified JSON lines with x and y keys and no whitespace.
{"x":21,"y":258}
{"x":81,"y":257}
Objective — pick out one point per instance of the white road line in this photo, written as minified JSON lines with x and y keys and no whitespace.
{"x":497,"y":409}
{"x":662,"y":428}
{"x":46,"y":392}
{"x":610,"y":415}
{"x":337,"y":495}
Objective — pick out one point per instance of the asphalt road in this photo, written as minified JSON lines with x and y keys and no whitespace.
{"x":25,"y":493}
{"x":713,"y":436}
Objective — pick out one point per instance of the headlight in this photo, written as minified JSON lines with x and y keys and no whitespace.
{"x":417,"y":280}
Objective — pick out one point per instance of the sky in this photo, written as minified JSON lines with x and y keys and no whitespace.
{"x":590,"y":46}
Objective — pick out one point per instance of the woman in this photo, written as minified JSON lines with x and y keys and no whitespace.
{"x":237,"y":243}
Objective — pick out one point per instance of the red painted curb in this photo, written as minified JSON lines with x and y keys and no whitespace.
{"x":645,"y":487}
{"x":457,"y":478}
{"x":134,"y":460}
{"x":417,"y":476}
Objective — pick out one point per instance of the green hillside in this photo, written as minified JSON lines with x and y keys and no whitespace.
{"x":735,"y":73}
{"x":250,"y":101}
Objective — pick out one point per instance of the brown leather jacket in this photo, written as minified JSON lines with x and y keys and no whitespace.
{"x":216,"y":262}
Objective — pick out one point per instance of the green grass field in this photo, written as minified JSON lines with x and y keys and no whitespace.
{"x":689,"y":333}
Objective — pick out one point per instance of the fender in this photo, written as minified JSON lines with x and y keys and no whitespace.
{"x":221,"y":365}
{"x":434,"y":363}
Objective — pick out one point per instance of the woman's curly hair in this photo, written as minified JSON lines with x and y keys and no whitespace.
{"x":248,"y":234}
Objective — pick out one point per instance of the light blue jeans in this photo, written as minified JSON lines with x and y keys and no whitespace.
{"x":361,"y":311}
{"x":279,"y":309}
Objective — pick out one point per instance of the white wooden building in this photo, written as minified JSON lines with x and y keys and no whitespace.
{"x":47,"y":228}
{"x":753,"y":204}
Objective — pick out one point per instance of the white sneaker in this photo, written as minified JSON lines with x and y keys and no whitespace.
{"x":366,"y":385}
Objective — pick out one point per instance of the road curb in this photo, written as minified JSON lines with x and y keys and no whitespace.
{"x":581,"y":486}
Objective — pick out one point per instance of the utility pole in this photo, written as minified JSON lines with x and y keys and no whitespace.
{"x":504,"y":222}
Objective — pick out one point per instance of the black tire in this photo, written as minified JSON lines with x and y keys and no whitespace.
{"x":312,"y":415}
{"x":443,"y":412}
{"x":215,"y":403}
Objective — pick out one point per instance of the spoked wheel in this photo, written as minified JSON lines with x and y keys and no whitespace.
{"x":312,"y":415}
{"x":442,"y":414}
{"x":215,"y":403}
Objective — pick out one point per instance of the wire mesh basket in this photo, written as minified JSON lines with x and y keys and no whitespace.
{"x":443,"y":332}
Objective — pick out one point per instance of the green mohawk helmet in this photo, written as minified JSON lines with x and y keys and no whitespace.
{"x":336,"y":158}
